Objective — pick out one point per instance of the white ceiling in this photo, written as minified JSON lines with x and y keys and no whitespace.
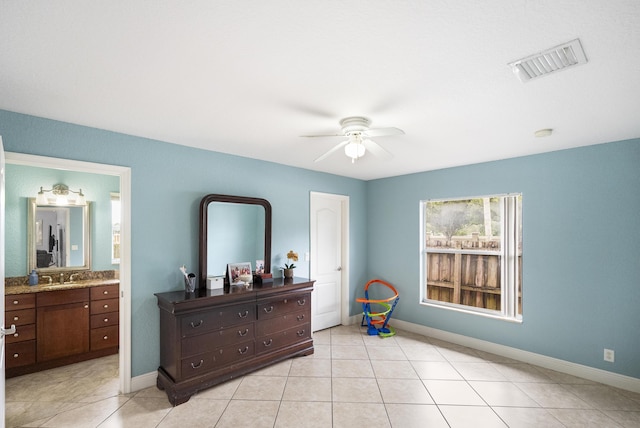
{"x":249,"y":77}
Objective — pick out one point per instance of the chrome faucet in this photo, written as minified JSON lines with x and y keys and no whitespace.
{"x":72,"y":276}
{"x":48,"y":277}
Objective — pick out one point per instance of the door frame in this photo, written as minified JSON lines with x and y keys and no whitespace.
{"x":345,"y":319}
{"x":124,"y":173}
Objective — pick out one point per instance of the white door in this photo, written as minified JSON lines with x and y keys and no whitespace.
{"x":2,"y":326}
{"x":328,"y":252}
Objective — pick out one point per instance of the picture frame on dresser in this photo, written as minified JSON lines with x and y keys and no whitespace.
{"x":239,"y":273}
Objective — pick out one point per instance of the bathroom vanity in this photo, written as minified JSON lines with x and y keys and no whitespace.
{"x":211,"y":336}
{"x":58,"y":325}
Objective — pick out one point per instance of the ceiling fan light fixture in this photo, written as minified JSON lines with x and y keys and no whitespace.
{"x":354,"y":151}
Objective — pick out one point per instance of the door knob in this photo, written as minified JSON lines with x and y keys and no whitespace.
{"x":339,"y":268}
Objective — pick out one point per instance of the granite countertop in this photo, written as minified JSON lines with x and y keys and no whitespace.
{"x":23,"y":289}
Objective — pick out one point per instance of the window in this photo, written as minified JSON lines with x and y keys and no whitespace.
{"x":115,"y":228}
{"x":471,"y":254}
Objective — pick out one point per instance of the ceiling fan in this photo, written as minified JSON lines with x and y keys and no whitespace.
{"x":358,"y":133}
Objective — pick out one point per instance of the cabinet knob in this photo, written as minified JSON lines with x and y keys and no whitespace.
{"x":106,"y":320}
{"x":16,"y":335}
{"x":86,"y":306}
{"x":106,"y":306}
{"x":105,"y":292}
{"x":16,"y":355}
{"x":15,"y":302}
{"x":16,"y":318}
{"x":105,"y":338}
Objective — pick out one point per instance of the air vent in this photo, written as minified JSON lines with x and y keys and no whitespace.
{"x":558,"y":58}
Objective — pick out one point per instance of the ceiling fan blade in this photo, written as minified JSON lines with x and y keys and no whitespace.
{"x":383,"y":132}
{"x":334,"y":149}
{"x":326,"y":135}
{"x":377,"y":149}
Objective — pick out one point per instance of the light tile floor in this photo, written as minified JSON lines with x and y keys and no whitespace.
{"x":352,"y":380}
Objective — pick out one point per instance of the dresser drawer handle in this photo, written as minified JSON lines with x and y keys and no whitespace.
{"x":105,"y":292}
{"x":269,"y":310}
{"x":197,"y":366}
{"x":16,"y":334}
{"x":86,"y":306}
{"x":241,"y":315}
{"x":16,"y":355}
{"x":196,"y":325}
{"x":300,"y":317}
{"x":106,"y":306}
{"x":105,"y":337}
{"x":106,"y":320}
{"x":302,"y":302}
{"x":16,"y":318}
{"x":243,"y":351}
{"x":268,"y":343}
{"x":15,"y":302}
{"x":243,"y":333}
{"x":300,"y":333}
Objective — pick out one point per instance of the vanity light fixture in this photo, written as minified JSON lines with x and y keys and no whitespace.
{"x":60,"y":192}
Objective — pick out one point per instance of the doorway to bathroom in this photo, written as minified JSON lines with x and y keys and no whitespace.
{"x":123,"y":175}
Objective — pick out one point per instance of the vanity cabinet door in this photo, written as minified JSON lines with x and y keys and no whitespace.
{"x":62,"y":330}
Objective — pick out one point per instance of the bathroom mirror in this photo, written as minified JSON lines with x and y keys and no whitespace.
{"x":58,"y":237}
{"x":233,"y":229}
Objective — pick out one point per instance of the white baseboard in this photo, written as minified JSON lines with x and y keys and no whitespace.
{"x":597,"y":375}
{"x":143,"y":381}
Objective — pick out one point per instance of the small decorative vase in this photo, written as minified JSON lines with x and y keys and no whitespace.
{"x":288,"y":273}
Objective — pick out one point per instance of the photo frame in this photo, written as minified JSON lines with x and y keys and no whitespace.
{"x":259,"y":267}
{"x":239,"y":273}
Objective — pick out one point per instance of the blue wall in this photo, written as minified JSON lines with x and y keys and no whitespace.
{"x":581,"y":220}
{"x":581,"y":249}
{"x":167,"y":184}
{"x":23,"y":182}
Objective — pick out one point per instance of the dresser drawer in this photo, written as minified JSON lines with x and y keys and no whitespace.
{"x":23,"y":332}
{"x":62,"y":297}
{"x":104,"y":306}
{"x":289,"y":303}
{"x":282,"y":322}
{"x":19,"y":301}
{"x":105,"y":292}
{"x":283,"y":338}
{"x":214,"y":319}
{"x":21,"y":317}
{"x":20,"y":354}
{"x":104,"y":320}
{"x":202,"y":363}
{"x":104,"y":337}
{"x":209,"y":341}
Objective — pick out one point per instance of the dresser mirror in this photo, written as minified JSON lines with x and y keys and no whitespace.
{"x":233,"y":229}
{"x":58,"y":237}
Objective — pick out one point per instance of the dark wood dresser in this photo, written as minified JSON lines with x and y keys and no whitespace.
{"x":211,"y":336}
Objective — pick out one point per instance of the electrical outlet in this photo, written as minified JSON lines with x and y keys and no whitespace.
{"x":609,"y":355}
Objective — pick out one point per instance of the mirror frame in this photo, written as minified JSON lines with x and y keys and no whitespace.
{"x":204,"y":218}
{"x":31,"y":239}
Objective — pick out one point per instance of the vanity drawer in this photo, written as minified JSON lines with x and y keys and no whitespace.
{"x":19,"y":301}
{"x":22,"y":317}
{"x":225,"y":316}
{"x":104,"y":320}
{"x":283,"y":338}
{"x":209,"y":341}
{"x":202,"y":363}
{"x":289,"y":303}
{"x":104,"y":337}
{"x":104,"y":306}
{"x":20,"y":354}
{"x":23,"y":333}
{"x":62,"y":297}
{"x":105,"y":292}
{"x":283,"y":322}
